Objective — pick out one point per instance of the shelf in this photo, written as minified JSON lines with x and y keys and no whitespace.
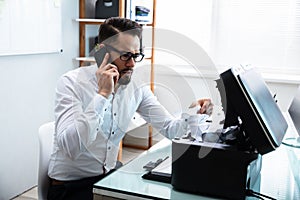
{"x":145,"y":24}
{"x":100,"y":21}
{"x":92,"y":59}
{"x":86,"y":59}
{"x":89,"y":21}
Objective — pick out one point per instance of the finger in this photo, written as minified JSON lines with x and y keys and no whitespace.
{"x":199,"y":102}
{"x":111,"y":67}
{"x":203,"y":110}
{"x":117,"y":74}
{"x":116,"y":78}
{"x":194,"y":104}
{"x":206,"y":108}
{"x":114,"y":73}
{"x":106,"y":68}
{"x":203,"y":101}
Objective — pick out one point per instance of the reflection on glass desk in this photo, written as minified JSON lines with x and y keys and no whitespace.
{"x":277,"y":178}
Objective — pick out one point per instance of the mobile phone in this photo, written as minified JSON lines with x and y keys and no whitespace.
{"x":99,"y":55}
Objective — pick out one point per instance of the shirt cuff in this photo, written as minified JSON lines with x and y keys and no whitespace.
{"x":101,"y":103}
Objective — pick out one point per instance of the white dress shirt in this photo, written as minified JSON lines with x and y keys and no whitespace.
{"x":89,"y":127}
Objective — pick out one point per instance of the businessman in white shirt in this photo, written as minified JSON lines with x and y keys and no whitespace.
{"x":94,"y":106}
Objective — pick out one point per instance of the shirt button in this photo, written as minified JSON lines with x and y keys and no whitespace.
{"x":115,"y":114}
{"x":97,"y":129}
{"x":108,"y":148}
{"x":105,"y":109}
{"x":113,"y":132}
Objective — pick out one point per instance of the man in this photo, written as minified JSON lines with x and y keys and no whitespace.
{"x":94,"y":106}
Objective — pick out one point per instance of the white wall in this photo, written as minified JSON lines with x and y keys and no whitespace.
{"x":27,"y":101}
{"x":285,"y":93}
{"x":176,"y":91}
{"x":171,"y":88}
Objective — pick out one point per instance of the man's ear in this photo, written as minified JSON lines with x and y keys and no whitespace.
{"x":101,"y":45}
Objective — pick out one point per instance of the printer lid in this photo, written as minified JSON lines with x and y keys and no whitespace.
{"x":246,"y":97}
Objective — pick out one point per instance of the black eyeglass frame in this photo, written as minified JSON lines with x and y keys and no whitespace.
{"x":126,"y":56}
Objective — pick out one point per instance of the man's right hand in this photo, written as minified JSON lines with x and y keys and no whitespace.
{"x":106,"y":75}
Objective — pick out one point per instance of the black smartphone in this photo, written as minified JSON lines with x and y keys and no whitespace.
{"x":99,"y":55}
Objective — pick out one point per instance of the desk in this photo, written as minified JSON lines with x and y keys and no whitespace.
{"x":277,"y":179}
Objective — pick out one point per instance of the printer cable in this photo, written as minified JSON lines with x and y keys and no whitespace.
{"x":252,"y":193}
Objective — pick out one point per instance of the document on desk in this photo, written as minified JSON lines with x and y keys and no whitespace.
{"x":164,"y":168}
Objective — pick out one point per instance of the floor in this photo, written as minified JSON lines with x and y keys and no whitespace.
{"x":127,"y":155}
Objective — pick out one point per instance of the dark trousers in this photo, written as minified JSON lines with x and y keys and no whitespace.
{"x":75,"y":190}
{"x":79,"y":189}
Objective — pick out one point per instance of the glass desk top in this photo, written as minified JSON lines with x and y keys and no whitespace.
{"x":280,"y":177}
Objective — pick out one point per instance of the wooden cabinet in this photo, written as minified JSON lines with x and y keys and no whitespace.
{"x":86,"y":20}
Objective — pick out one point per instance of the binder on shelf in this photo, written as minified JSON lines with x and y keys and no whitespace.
{"x":106,"y":8}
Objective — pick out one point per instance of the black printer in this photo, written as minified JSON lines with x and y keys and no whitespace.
{"x":227,"y":168}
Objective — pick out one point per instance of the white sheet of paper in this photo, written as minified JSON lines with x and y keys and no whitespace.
{"x":164,"y":168}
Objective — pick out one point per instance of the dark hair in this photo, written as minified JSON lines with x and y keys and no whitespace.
{"x":115,"y":25}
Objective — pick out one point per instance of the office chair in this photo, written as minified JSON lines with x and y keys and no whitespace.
{"x":46,"y":138}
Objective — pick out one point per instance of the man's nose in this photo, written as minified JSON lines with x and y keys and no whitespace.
{"x":130,"y":63}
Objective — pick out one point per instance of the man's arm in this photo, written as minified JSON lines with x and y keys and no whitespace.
{"x":155,"y":114}
{"x":77,"y":121}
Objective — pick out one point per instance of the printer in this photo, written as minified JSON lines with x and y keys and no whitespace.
{"x":226,"y":168}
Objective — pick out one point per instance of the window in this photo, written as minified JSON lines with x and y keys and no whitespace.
{"x":186,"y":20}
{"x":263,"y":33}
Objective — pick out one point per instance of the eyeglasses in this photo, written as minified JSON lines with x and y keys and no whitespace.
{"x":137,"y":57}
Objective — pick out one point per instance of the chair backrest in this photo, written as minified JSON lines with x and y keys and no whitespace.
{"x":46,"y":138}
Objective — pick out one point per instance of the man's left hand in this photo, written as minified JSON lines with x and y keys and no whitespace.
{"x":206,"y":106}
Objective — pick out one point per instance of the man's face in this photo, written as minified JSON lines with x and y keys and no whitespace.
{"x":126,"y":44}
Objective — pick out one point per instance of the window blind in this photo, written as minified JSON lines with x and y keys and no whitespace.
{"x":263,"y":33}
